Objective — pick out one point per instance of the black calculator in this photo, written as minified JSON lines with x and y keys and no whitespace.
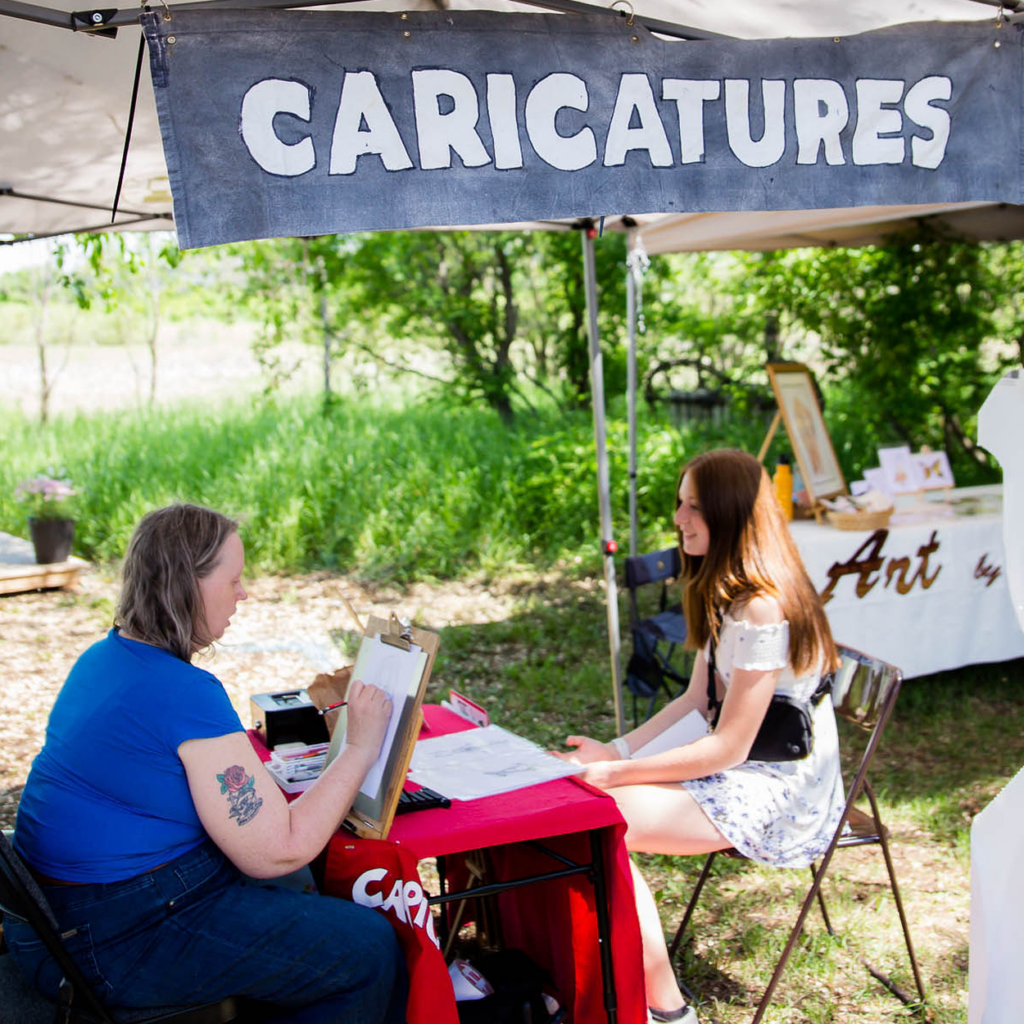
{"x":420,"y":800}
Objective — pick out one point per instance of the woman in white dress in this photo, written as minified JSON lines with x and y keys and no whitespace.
{"x":747,"y":593}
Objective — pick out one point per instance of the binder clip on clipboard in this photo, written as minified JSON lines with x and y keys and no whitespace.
{"x":398,"y":658}
{"x":399,"y":633}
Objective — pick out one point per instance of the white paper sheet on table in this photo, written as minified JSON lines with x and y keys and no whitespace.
{"x":476,"y":763}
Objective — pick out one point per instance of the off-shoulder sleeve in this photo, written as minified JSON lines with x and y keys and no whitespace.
{"x":761,"y":648}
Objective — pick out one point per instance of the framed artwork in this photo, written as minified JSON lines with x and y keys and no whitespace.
{"x":876,"y":479}
{"x":934,"y":470}
{"x":798,"y":403}
{"x":902,"y":475}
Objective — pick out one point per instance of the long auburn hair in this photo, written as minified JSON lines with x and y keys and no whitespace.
{"x":171,"y":550}
{"x":750,"y":553}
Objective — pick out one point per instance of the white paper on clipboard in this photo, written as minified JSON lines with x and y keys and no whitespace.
{"x":398,"y":673}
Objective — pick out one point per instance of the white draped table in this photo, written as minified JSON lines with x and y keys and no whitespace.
{"x":927,"y":592}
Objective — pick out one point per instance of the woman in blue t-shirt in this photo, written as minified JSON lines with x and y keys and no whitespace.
{"x":147,"y":814}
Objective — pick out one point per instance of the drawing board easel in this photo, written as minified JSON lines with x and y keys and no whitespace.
{"x":399,"y":659}
{"x":798,"y":409}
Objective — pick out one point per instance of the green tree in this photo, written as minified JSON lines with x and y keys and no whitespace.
{"x":128,"y":275}
{"x":296,"y":289}
{"x":497,"y":317}
{"x":905,"y":332}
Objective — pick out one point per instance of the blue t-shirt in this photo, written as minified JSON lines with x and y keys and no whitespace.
{"x":107,"y":797}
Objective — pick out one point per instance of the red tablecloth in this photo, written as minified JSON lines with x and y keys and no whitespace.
{"x":555,"y":921}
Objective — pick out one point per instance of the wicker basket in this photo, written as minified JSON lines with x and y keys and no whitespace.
{"x":859,"y":520}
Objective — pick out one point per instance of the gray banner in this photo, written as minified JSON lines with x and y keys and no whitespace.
{"x":286,"y":123}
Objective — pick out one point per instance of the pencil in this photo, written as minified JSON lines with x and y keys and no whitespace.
{"x":331,"y":707}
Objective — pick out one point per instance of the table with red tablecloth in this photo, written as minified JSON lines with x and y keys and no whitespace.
{"x":558,"y":922}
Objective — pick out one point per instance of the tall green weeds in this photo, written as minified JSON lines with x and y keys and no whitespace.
{"x":425,"y":491}
{"x":430,"y":490}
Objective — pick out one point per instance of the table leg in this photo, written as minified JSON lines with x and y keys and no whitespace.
{"x":603,"y":924}
{"x":442,"y":921}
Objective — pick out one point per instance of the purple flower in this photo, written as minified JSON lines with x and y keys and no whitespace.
{"x":45,"y":497}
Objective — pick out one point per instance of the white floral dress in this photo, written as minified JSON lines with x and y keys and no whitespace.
{"x":777,"y":812}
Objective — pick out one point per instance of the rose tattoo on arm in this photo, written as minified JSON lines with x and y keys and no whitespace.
{"x":241,"y":792}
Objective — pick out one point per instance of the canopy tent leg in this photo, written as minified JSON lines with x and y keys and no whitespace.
{"x":631,"y":294}
{"x":603,"y":486}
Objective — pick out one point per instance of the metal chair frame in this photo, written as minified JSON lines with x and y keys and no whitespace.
{"x":650,"y":671}
{"x":21,"y":897}
{"x":864,"y":693}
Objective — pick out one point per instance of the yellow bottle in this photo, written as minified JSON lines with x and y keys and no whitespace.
{"x":783,"y":481}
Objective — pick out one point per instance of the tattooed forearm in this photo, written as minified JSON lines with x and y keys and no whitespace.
{"x":241,"y":792}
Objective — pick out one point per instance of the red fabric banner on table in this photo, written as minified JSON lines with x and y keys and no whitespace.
{"x":379,"y":874}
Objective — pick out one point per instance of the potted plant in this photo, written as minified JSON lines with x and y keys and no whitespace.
{"x":48,"y":501}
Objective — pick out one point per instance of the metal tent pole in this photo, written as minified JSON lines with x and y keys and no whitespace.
{"x":603,"y":486}
{"x":631,"y":286}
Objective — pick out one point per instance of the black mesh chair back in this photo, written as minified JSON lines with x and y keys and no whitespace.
{"x":864,"y":692}
{"x":21,"y":897}
{"x":655,"y":667}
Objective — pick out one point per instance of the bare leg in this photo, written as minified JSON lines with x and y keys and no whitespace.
{"x":662,"y":819}
{"x":659,"y":977}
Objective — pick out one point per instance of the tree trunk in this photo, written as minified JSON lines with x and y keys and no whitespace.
{"x":154,"y":310}
{"x":40,"y":316}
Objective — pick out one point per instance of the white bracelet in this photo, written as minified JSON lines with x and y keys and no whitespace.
{"x":621,"y":747}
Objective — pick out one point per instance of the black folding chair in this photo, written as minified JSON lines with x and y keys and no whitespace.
{"x":655,"y":667}
{"x":864,"y":693}
{"x":21,"y":897}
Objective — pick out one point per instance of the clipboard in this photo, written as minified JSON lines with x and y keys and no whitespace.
{"x":385,"y":645}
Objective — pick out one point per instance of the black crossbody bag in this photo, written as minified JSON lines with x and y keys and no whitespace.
{"x":786,"y":733}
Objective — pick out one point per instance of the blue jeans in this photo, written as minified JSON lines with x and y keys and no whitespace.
{"x":195,"y":931}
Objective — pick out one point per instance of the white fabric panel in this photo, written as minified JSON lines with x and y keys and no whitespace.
{"x":1000,"y":429}
{"x":996,"y":983}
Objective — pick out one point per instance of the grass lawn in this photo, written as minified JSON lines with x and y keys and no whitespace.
{"x":953,"y":743}
{"x":534,"y":650}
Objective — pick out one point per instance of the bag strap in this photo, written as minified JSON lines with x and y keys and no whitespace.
{"x":824,"y":686}
{"x":714,"y":704}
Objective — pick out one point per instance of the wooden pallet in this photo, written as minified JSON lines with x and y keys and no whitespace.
{"x":19,"y":571}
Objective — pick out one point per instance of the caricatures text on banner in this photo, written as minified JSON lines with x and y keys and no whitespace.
{"x":284,"y":123}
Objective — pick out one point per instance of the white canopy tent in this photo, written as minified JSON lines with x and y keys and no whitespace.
{"x":65,"y":98}
{"x":65,"y":103}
